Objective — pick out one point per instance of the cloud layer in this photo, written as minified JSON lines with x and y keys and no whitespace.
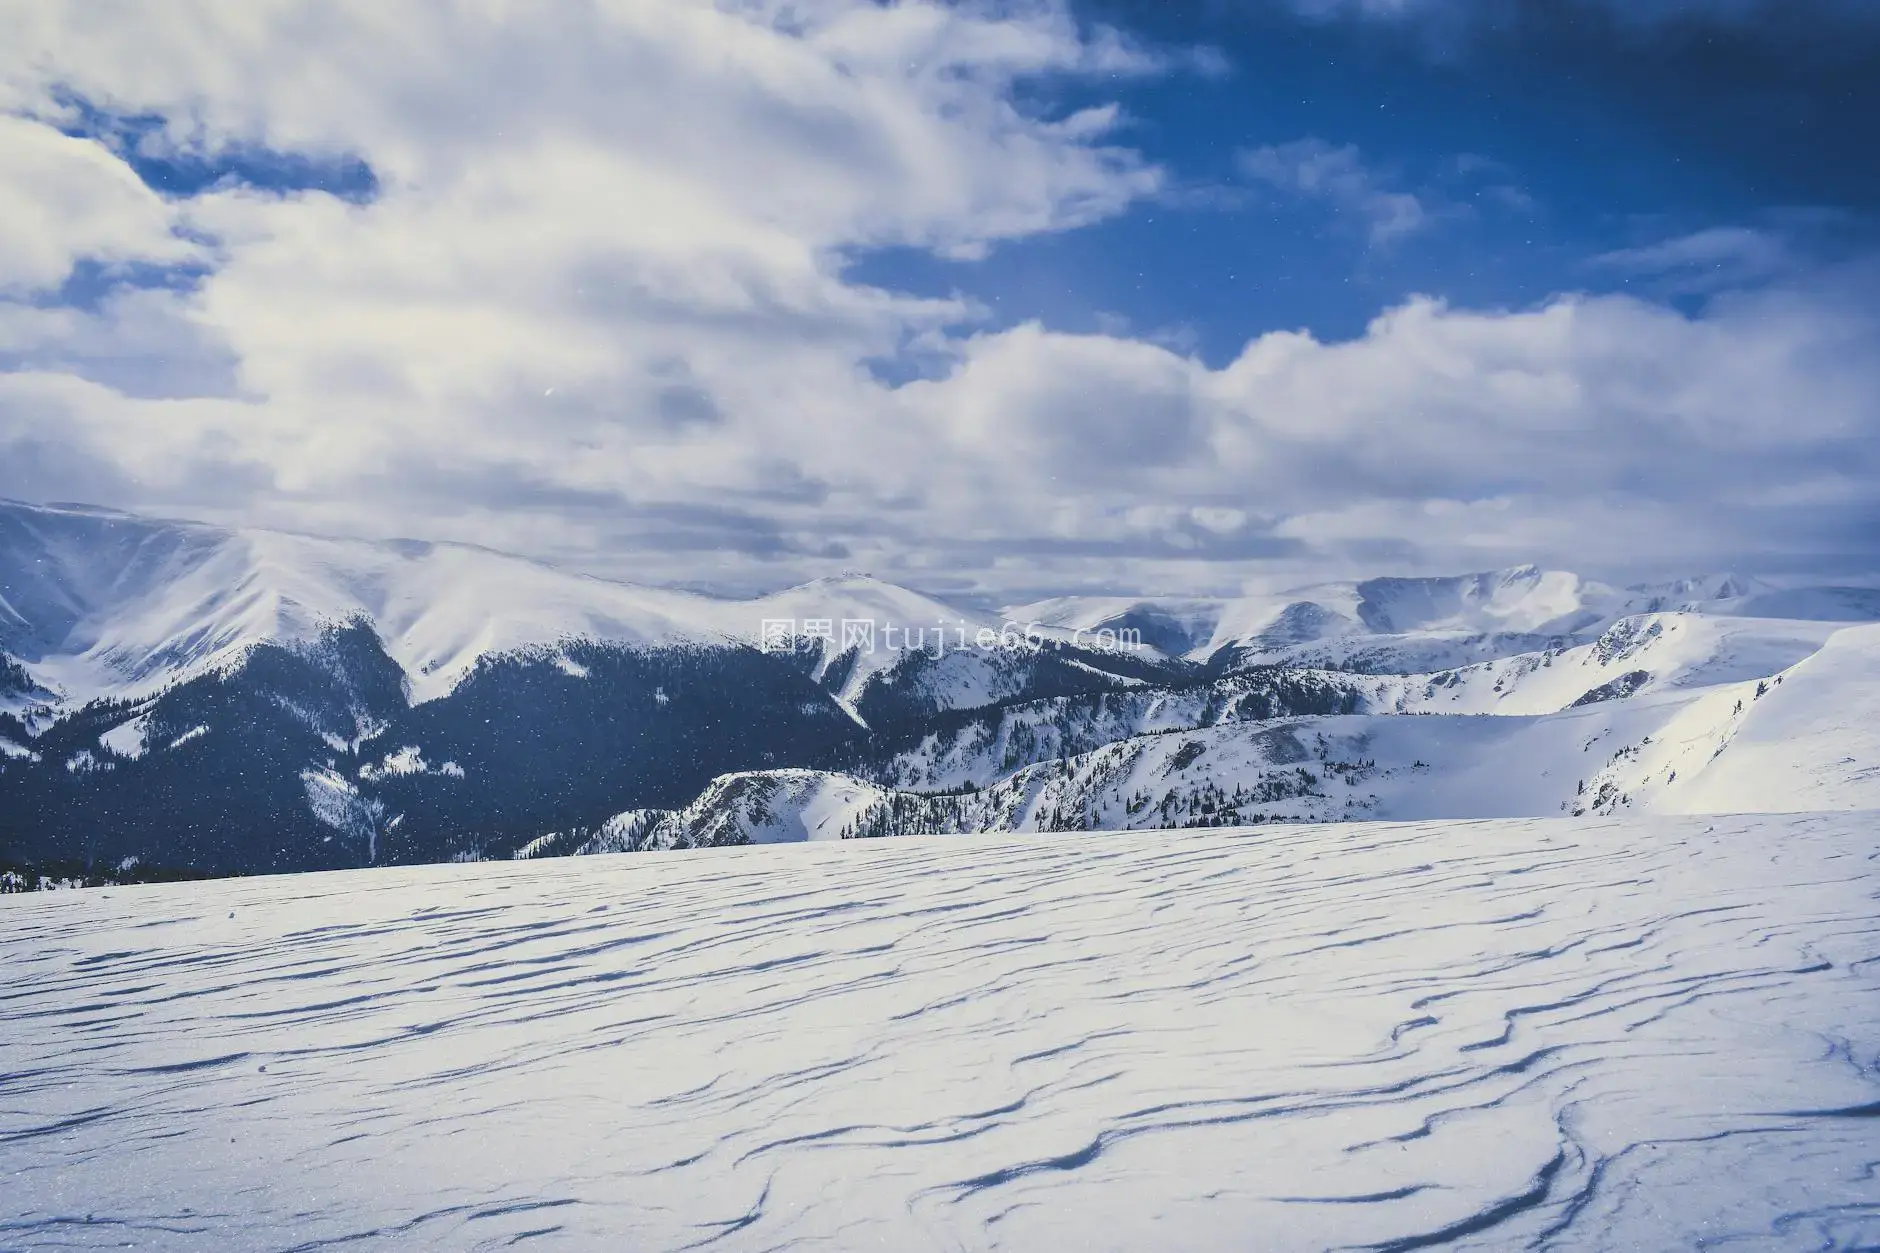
{"x":597,"y":306}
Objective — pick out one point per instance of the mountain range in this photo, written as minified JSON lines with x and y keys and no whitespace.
{"x":182,"y":697}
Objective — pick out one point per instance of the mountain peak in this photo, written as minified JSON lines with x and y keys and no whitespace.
{"x":847,"y":578}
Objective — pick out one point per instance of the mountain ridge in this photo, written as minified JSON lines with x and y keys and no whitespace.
{"x":201,"y":698}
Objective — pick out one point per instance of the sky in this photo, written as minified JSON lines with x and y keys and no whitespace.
{"x":993,"y":299}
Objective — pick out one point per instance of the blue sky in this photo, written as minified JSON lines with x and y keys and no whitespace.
{"x":997,"y":299}
{"x":1550,"y":145}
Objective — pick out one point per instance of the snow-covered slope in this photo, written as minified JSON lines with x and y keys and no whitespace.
{"x":98,"y":603}
{"x":1807,"y":739}
{"x":1813,"y":732}
{"x":1408,"y":626}
{"x":1734,"y":596}
{"x":894,"y":618}
{"x":1626,"y":1034}
{"x":1641,"y":653}
{"x":881,"y":635}
{"x":1523,"y":601}
{"x":749,"y":807}
{"x":19,"y":691}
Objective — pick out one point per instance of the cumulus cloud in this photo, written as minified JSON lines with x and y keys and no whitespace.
{"x":599,"y":305}
{"x":607,"y":245}
{"x":64,"y":199}
{"x":1610,"y":433}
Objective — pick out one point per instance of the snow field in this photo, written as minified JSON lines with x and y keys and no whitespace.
{"x":1624,"y":1033}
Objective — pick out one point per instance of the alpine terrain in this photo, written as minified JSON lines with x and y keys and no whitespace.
{"x":182,"y":699}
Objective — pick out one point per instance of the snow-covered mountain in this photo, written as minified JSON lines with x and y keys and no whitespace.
{"x":257,"y":700}
{"x":97,"y":603}
{"x":1417,"y":625}
{"x":189,"y":696}
{"x":1807,"y":738}
{"x":1522,"y":602}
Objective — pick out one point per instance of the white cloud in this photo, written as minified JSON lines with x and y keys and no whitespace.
{"x":601,"y":310}
{"x":64,"y":199}
{"x":576,"y":210}
{"x":1706,"y":260}
{"x":1612,"y":431}
{"x":1316,"y":170}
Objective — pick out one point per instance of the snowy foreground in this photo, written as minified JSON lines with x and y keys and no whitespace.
{"x":1653,"y":1034}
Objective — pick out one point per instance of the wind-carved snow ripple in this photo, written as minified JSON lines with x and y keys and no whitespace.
{"x":1649,"y":1034}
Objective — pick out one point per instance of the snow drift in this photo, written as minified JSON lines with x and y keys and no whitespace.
{"x":1631,"y":1033}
